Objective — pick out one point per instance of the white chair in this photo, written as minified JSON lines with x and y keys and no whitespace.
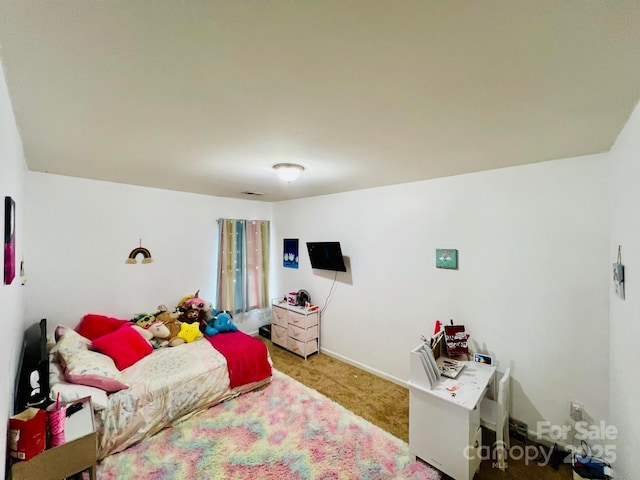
{"x":494,"y":414}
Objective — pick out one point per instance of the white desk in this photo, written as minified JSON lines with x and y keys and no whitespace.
{"x":444,"y":418}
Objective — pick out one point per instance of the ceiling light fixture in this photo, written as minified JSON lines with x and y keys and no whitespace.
{"x":288,"y":171}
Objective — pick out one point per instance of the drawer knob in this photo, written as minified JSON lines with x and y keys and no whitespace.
{"x":475,"y":445}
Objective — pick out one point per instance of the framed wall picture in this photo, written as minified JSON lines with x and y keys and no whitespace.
{"x":290,"y":253}
{"x":9,"y":240}
{"x":447,"y":258}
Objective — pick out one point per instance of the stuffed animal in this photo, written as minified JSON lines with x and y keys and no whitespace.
{"x":190,"y":332}
{"x":186,"y":298}
{"x":171,"y":320}
{"x":221,"y":323}
{"x":196,"y":309}
{"x":156,"y":334}
{"x":191,"y":315}
{"x":143,"y":319}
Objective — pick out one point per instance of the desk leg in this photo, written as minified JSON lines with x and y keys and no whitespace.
{"x":92,"y":472}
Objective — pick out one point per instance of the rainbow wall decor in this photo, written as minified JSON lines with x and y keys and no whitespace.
{"x":447,"y":258}
{"x":146,"y":255}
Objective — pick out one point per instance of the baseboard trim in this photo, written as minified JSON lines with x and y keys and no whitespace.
{"x":361,"y":366}
{"x":366,"y":368}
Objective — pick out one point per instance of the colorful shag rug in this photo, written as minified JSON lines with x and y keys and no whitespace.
{"x":284,"y":431}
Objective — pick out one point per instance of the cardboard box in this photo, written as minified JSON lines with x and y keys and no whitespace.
{"x":27,"y":433}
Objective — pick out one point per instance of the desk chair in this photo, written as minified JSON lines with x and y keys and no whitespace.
{"x":495,"y":416}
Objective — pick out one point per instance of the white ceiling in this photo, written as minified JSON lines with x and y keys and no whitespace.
{"x":205,"y":96}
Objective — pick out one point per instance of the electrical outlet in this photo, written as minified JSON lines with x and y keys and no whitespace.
{"x":575,"y":411}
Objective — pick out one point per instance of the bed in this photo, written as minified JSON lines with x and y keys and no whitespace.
{"x":165,"y":386}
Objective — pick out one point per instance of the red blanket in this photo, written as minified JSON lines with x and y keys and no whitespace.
{"x":247,"y":357}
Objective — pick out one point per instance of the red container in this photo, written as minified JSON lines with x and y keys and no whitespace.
{"x":27,"y":433}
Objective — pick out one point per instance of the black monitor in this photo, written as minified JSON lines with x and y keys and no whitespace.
{"x":326,"y":256}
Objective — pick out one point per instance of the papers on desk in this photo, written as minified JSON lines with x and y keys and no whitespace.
{"x":465,"y":390}
{"x":468,"y":386}
{"x":451,"y":368}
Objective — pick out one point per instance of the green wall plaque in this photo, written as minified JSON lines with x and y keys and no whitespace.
{"x":446,"y":258}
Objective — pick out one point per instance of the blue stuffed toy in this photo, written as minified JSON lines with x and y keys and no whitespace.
{"x":220,"y":323}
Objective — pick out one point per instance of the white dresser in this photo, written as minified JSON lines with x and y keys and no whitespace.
{"x":295,"y":328}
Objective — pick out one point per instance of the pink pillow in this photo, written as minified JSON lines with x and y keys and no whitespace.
{"x":125,"y":346}
{"x":93,"y":326}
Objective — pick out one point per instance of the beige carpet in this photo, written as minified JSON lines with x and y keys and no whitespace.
{"x":379,"y":401}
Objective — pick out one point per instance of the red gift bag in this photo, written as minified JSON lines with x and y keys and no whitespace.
{"x":27,"y":433}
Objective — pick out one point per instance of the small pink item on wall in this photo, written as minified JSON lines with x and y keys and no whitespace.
{"x":9,"y":240}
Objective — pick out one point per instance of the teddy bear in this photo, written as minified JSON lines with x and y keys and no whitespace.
{"x":221,"y":323}
{"x":191,"y":315}
{"x":171,"y":320}
{"x":190,"y":332}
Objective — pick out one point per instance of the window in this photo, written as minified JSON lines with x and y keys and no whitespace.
{"x":243,"y":265}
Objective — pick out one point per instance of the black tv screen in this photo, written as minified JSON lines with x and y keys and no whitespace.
{"x":326,"y":256}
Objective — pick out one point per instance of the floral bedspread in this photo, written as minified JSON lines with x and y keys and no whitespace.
{"x":164,"y":386}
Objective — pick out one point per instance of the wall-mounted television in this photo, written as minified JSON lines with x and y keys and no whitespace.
{"x":326,"y":256}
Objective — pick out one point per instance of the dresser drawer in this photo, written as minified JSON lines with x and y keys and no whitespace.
{"x":303,"y":334}
{"x":302,"y":348}
{"x":279,"y":316}
{"x":303,"y":321}
{"x":279,"y":335}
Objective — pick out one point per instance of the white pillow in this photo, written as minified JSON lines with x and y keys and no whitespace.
{"x":70,"y":392}
{"x":72,"y":344}
{"x":83,"y":366}
{"x":56,"y":375}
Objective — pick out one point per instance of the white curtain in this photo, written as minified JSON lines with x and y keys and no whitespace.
{"x":243,"y":265}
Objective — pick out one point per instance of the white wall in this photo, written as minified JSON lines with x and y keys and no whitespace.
{"x":12,"y":180}
{"x":532,"y":286}
{"x":82,"y":231}
{"x":624,"y":315}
